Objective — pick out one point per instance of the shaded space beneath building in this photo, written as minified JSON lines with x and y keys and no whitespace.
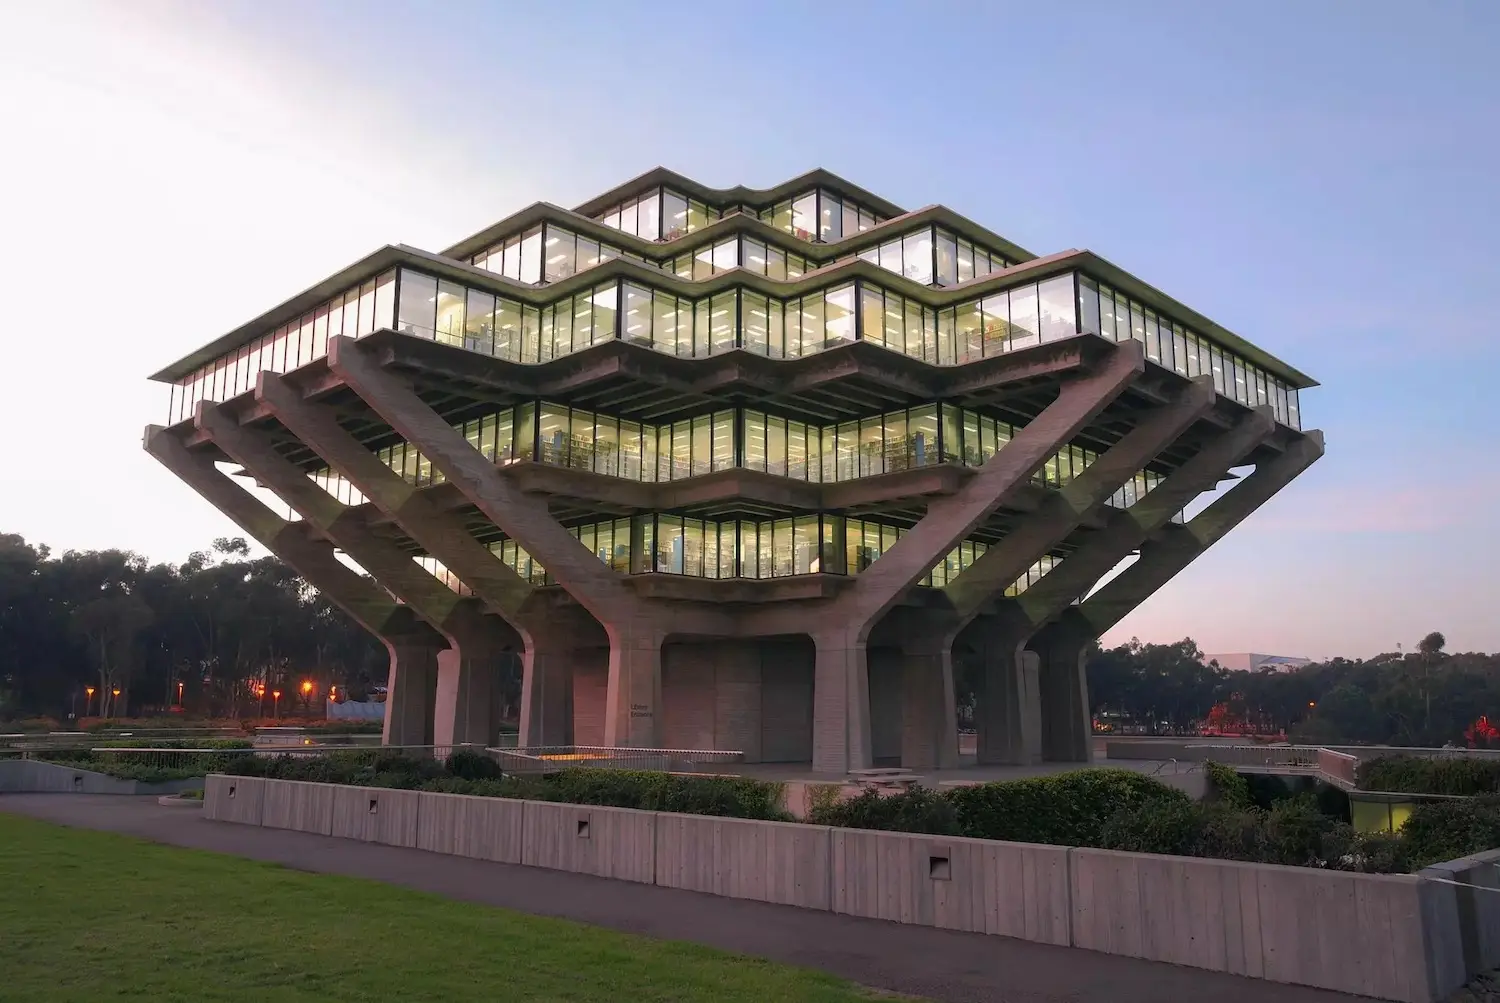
{"x":935,"y":964}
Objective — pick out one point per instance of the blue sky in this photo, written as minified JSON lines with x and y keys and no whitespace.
{"x":1316,"y":177}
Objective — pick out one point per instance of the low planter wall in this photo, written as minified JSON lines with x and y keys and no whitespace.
{"x":32,"y":776}
{"x":1357,"y":933}
{"x":1412,"y":938}
{"x":1463,"y":913}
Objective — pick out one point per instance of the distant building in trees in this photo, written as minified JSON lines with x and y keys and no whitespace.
{"x":1250,"y":661}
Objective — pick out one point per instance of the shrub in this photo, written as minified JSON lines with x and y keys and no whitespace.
{"x":1227,"y":785}
{"x":916,"y":809}
{"x":471,"y":765}
{"x":1447,"y":830}
{"x":731,"y":797}
{"x":1416,"y":775}
{"x":1069,"y":809}
{"x":1297,"y":833}
{"x":1168,"y":827}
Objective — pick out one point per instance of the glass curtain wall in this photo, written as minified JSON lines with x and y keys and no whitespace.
{"x":604,"y":444}
{"x":518,"y":257}
{"x":355,"y":312}
{"x":739,"y":252}
{"x":820,"y":215}
{"x":774,"y":548}
{"x":1111,"y":314}
{"x":934,"y":256}
{"x":660,"y":214}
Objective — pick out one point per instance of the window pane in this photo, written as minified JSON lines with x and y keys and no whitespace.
{"x":839,"y":315}
{"x":1024,"y":325}
{"x":648,"y":224}
{"x":804,"y":225}
{"x":673,"y":215}
{"x":830,"y":217}
{"x":605,"y":303}
{"x":1059,"y":317}
{"x":450,"y":313}
{"x":947,"y":259}
{"x":418,"y":303}
{"x":916,"y":257}
{"x":1088,"y":305}
{"x":479,"y":320}
{"x":872,"y":313}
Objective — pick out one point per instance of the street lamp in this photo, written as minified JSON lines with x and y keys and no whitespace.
{"x":89,"y":690}
{"x":276,"y":704}
{"x":115,"y":702}
{"x":179,"y":693}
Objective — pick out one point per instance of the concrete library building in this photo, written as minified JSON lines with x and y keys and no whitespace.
{"x":737,"y":469}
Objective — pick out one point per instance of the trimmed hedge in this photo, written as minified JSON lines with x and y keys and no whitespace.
{"x":472,"y":773}
{"x":148,"y":767}
{"x":1227,"y":785}
{"x":1069,"y":809}
{"x":1461,"y":776}
{"x":1446,"y":830}
{"x":1294,"y":832}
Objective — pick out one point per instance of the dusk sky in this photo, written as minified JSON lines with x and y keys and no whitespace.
{"x":1320,"y":178}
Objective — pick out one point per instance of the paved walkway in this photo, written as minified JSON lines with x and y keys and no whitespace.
{"x":938,"y":964}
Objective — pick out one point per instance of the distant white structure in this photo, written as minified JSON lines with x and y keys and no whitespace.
{"x":1250,"y":661}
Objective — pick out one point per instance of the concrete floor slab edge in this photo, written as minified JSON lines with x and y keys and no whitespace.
{"x":914,"y":865}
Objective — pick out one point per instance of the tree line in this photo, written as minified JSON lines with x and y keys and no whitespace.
{"x":216,"y":635}
{"x":219,"y":633}
{"x":1424,"y":697}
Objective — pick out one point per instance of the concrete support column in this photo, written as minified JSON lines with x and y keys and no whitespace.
{"x":408,"y":696}
{"x":1067,"y":728}
{"x":841,"y":703}
{"x":632,"y":702}
{"x":929,"y":717}
{"x":547,"y":692}
{"x":1008,"y":709}
{"x":465,"y":700}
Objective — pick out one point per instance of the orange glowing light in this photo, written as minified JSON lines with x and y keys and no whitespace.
{"x":306,"y":687}
{"x":115,"y":691}
{"x":89,"y":690}
{"x":275,"y":694}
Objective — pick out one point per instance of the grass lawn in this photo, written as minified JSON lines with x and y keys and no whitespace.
{"x":96,"y":916}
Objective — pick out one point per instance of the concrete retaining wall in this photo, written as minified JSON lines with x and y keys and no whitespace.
{"x":976,"y":885}
{"x":375,"y":815}
{"x":32,"y":776}
{"x":1461,"y":912}
{"x":294,"y":804}
{"x":588,"y":839}
{"x":483,"y":828}
{"x":782,"y":862}
{"x":1357,"y":933}
{"x":1411,"y":938}
{"x":233,"y":799}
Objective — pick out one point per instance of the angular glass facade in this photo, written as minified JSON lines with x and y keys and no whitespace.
{"x":736,"y":437}
{"x":358,"y":311}
{"x":820,"y":215}
{"x":660,"y":214}
{"x":1003,"y":321}
{"x":1111,"y":314}
{"x":819,"y":543}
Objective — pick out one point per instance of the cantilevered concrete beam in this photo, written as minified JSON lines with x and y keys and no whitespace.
{"x":445,"y":538}
{"x":1127,"y":530}
{"x":636,"y":628}
{"x":1059,"y":698}
{"x":1178,"y":546}
{"x":841,"y":704}
{"x":1062,"y":513}
{"x":413,"y":646}
{"x":466,"y":671}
